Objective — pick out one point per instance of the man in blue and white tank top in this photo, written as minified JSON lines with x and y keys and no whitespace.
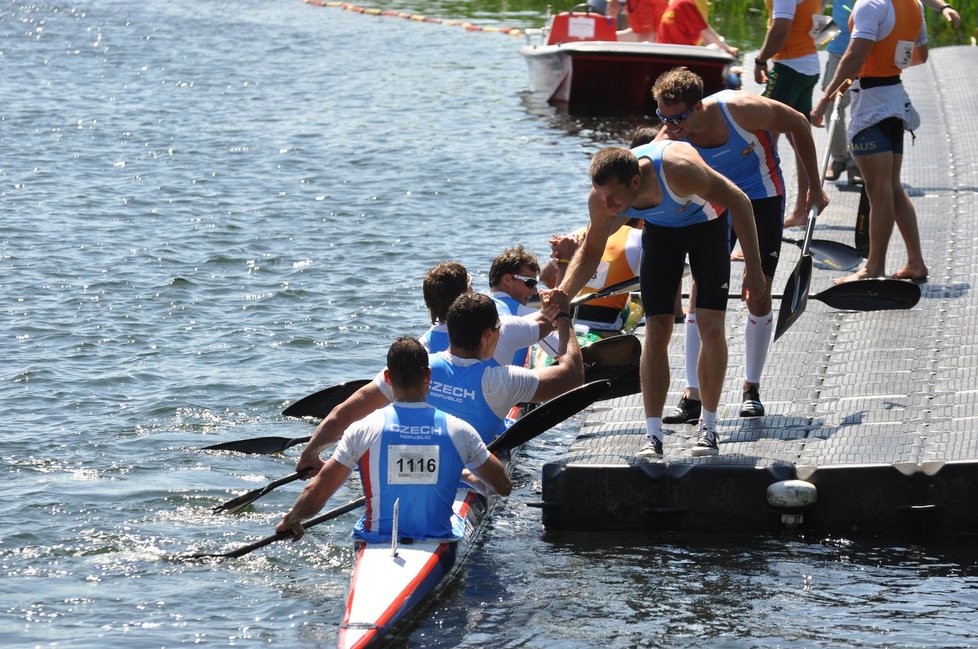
{"x":409,"y":452}
{"x":465,"y":380}
{"x":734,"y":132}
{"x":445,"y":282}
{"x":513,"y":278}
{"x":684,"y":204}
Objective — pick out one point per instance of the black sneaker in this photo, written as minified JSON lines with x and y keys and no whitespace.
{"x":707,"y":444}
{"x":752,"y":406}
{"x":652,"y":448}
{"x":687,"y":412}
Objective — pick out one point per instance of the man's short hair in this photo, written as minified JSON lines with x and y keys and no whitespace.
{"x":678,"y":86}
{"x":468,"y":317}
{"x":613,"y":163}
{"x":643,"y":135}
{"x":512,"y":260}
{"x":407,"y":362}
{"x":442,"y":284}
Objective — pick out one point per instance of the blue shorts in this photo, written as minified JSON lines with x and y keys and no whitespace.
{"x":882,"y":137}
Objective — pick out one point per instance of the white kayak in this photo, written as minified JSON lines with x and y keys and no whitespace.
{"x":387,"y":588}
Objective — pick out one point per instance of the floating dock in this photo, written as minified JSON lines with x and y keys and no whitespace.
{"x":875,"y":412}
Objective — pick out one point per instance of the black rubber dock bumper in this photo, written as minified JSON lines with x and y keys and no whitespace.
{"x":593,"y":492}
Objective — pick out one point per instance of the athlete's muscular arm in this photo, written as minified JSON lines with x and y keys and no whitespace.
{"x":849,"y":66}
{"x":774,"y":40}
{"x":603,"y":223}
{"x":688,"y":174}
{"x":754,"y":113}
{"x":492,"y":475}
{"x":568,"y":371}
{"x":314,"y":496}
{"x":360,"y":404}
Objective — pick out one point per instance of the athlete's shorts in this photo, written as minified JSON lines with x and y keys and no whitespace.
{"x":769,"y":222}
{"x":883,"y":137}
{"x":791,"y":87}
{"x":664,"y":253}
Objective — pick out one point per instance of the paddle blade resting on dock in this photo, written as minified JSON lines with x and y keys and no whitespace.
{"x":795,"y":297}
{"x":879,"y":294}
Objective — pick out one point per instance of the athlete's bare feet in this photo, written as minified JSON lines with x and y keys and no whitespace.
{"x":797,"y":219}
{"x":914,"y":272}
{"x":862,"y":273}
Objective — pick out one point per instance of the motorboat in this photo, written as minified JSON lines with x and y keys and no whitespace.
{"x":576,"y":61}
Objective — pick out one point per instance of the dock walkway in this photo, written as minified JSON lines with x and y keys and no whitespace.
{"x":877,"y":410}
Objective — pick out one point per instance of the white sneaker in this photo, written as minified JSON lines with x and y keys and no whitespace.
{"x":707,"y":444}
{"x":652,"y":448}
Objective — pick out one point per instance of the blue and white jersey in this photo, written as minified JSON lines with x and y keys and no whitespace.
{"x":478,"y":392}
{"x":457,"y":390}
{"x":413,"y":453}
{"x":435,"y":339}
{"x":507,"y":305}
{"x":515,"y":333}
{"x":749,"y":159}
{"x":674,"y":211}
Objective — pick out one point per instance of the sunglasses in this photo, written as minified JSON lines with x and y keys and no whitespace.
{"x":529,"y":281}
{"x":498,"y":325}
{"x":674,"y":119}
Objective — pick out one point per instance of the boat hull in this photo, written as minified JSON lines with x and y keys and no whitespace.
{"x":599,"y":77}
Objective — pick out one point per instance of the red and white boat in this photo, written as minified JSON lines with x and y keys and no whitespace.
{"x":578,"y":62}
{"x":389,"y":584}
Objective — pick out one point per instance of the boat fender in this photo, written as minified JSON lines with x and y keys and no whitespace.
{"x":792,"y":495}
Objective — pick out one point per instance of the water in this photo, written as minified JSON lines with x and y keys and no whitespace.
{"x":211,"y":210}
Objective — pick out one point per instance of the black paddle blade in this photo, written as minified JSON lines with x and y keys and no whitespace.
{"x":832,"y":255}
{"x":862,"y":223}
{"x":549,"y":414}
{"x":882,"y":294}
{"x":614,"y":351}
{"x":795,"y":297}
{"x":624,"y":384}
{"x":258,"y":445}
{"x":319,"y":404}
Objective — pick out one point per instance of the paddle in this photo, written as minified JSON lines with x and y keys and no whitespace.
{"x":879,"y":294}
{"x":626,"y":286}
{"x":795,"y":294}
{"x":862,"y":222}
{"x":236,"y":504}
{"x":533,"y":424}
{"x":320,"y":403}
{"x":830,"y":255}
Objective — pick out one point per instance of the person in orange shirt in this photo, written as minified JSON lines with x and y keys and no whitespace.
{"x":887,"y":37}
{"x":686,"y":22}
{"x":795,"y":71}
{"x":643,"y":18}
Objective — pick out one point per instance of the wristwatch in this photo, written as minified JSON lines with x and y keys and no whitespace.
{"x":760,"y":62}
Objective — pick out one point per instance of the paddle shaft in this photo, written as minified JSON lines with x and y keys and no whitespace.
{"x":241,"y":501}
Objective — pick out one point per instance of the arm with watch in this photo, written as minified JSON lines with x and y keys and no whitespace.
{"x":946,"y":10}
{"x":774,"y":40}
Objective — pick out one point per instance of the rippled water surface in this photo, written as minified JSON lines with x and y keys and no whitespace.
{"x":212,"y":209}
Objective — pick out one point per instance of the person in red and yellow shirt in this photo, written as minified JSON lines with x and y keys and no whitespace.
{"x":687,"y":22}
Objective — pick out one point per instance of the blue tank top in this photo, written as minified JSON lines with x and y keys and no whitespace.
{"x":420,"y":466}
{"x":458,"y":391}
{"x":674,"y":211}
{"x":507,"y":305}
{"x":434,"y":340}
{"x":749,"y":160}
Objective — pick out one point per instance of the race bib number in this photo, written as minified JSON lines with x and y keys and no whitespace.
{"x":412,"y":464}
{"x":903,"y":54}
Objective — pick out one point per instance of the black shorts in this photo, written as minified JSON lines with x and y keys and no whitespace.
{"x":664,"y":253}
{"x":769,"y":223}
